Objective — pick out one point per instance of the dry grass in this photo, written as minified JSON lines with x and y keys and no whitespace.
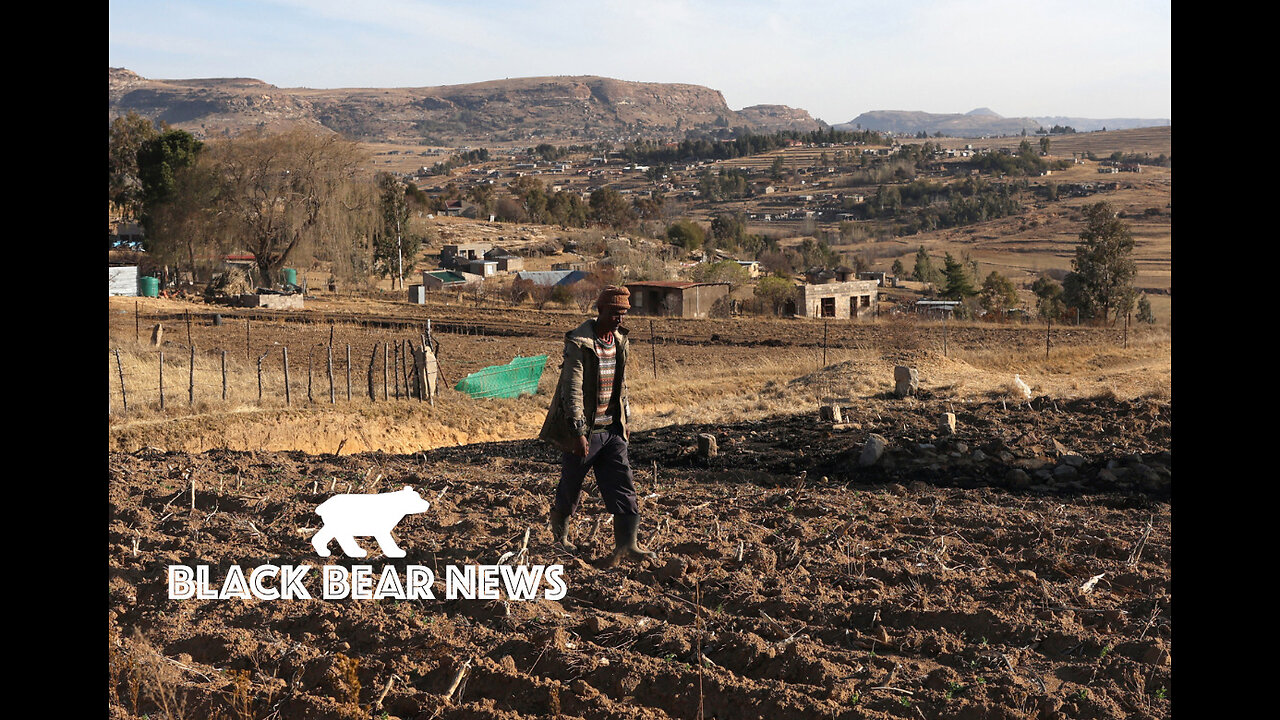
{"x":695,"y":383}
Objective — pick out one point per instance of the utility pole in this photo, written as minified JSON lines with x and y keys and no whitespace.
{"x":399,"y":247}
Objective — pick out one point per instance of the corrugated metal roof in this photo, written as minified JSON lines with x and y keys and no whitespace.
{"x":547,"y":278}
{"x":122,"y":280}
{"x":676,"y":284}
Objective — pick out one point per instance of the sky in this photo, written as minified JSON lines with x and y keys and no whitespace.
{"x":836,"y":59}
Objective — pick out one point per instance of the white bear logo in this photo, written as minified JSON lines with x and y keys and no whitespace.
{"x":348,"y":515}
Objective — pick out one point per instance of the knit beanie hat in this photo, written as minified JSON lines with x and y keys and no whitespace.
{"x":612,"y":297}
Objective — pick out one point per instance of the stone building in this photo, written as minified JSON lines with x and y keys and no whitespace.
{"x":463,"y":253}
{"x":847,"y":300}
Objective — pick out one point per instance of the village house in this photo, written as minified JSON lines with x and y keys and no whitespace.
{"x":446,"y":279}
{"x":585,"y":265}
{"x":882,"y":278}
{"x":668,"y":298}
{"x":483,"y":268}
{"x":838,"y":300}
{"x":463,"y":253}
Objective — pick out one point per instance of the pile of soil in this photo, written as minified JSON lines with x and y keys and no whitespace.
{"x":1016,"y":568}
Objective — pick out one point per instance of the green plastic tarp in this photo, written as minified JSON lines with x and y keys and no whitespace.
{"x":516,"y":378}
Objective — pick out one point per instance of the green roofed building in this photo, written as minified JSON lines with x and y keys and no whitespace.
{"x":441,"y":279}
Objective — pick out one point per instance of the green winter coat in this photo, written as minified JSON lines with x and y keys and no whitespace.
{"x":579,"y":387}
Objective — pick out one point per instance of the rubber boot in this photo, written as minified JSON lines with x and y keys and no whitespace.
{"x":624,"y":540}
{"x":560,"y":530}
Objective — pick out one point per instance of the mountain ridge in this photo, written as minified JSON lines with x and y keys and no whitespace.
{"x":563,"y":108}
{"x":982,"y":122}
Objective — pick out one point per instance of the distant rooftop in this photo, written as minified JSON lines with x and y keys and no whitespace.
{"x":548,"y":278}
{"x":670,"y":284}
{"x":446,"y":276}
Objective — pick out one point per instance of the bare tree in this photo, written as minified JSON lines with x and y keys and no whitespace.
{"x":295,"y":192}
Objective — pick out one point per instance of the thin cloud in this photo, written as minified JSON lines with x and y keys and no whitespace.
{"x":1085,"y":58}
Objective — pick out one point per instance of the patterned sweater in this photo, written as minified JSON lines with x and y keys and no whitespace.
{"x":607,"y":351}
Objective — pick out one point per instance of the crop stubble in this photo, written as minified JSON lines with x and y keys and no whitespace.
{"x":928,"y":585}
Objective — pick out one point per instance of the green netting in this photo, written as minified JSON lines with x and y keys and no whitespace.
{"x":514,"y":379}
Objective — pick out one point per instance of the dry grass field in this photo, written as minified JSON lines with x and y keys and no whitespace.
{"x":729,"y":369}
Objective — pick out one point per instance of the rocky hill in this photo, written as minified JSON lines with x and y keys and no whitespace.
{"x":982,"y":122}
{"x":551,"y":109}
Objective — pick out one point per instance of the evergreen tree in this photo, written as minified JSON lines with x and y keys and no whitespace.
{"x":394,"y":248}
{"x":1144,"y":311}
{"x":998,"y":293}
{"x":686,"y":233}
{"x":1049,"y":303}
{"x":956,"y":283}
{"x":160,"y":159}
{"x":924,"y":270}
{"x":610,"y":208}
{"x":1101,"y":282}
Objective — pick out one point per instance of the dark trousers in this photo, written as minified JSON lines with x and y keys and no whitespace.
{"x":607,"y":454}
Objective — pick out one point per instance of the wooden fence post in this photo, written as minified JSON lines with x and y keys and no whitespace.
{"x":311,"y":353}
{"x":120,"y":370}
{"x":395,"y":368}
{"x":373,"y":357}
{"x":191,"y":377}
{"x":246,"y":339}
{"x":406,"y":355}
{"x":260,"y":377}
{"x":386,"y":354}
{"x":653,"y":349}
{"x":224,"y":375}
{"x":426,"y":376}
{"x":420,"y":372}
{"x":331,"y":397}
{"x":288,"y":398}
{"x":162,"y":380}
{"x":137,"y":323}
{"x":348,"y":372}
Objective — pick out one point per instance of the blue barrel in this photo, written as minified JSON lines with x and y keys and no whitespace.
{"x":148,"y":286}
{"x":290,"y":276}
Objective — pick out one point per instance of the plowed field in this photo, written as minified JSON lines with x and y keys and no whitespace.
{"x":1018,"y":568}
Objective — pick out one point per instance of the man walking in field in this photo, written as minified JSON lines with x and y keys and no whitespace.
{"x":587,"y":421}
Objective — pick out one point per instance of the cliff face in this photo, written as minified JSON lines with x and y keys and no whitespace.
{"x":564,"y":109}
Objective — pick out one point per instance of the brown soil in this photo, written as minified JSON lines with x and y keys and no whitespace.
{"x":945,"y":581}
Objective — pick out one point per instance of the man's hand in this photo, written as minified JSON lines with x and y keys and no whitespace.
{"x":583,"y":447}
